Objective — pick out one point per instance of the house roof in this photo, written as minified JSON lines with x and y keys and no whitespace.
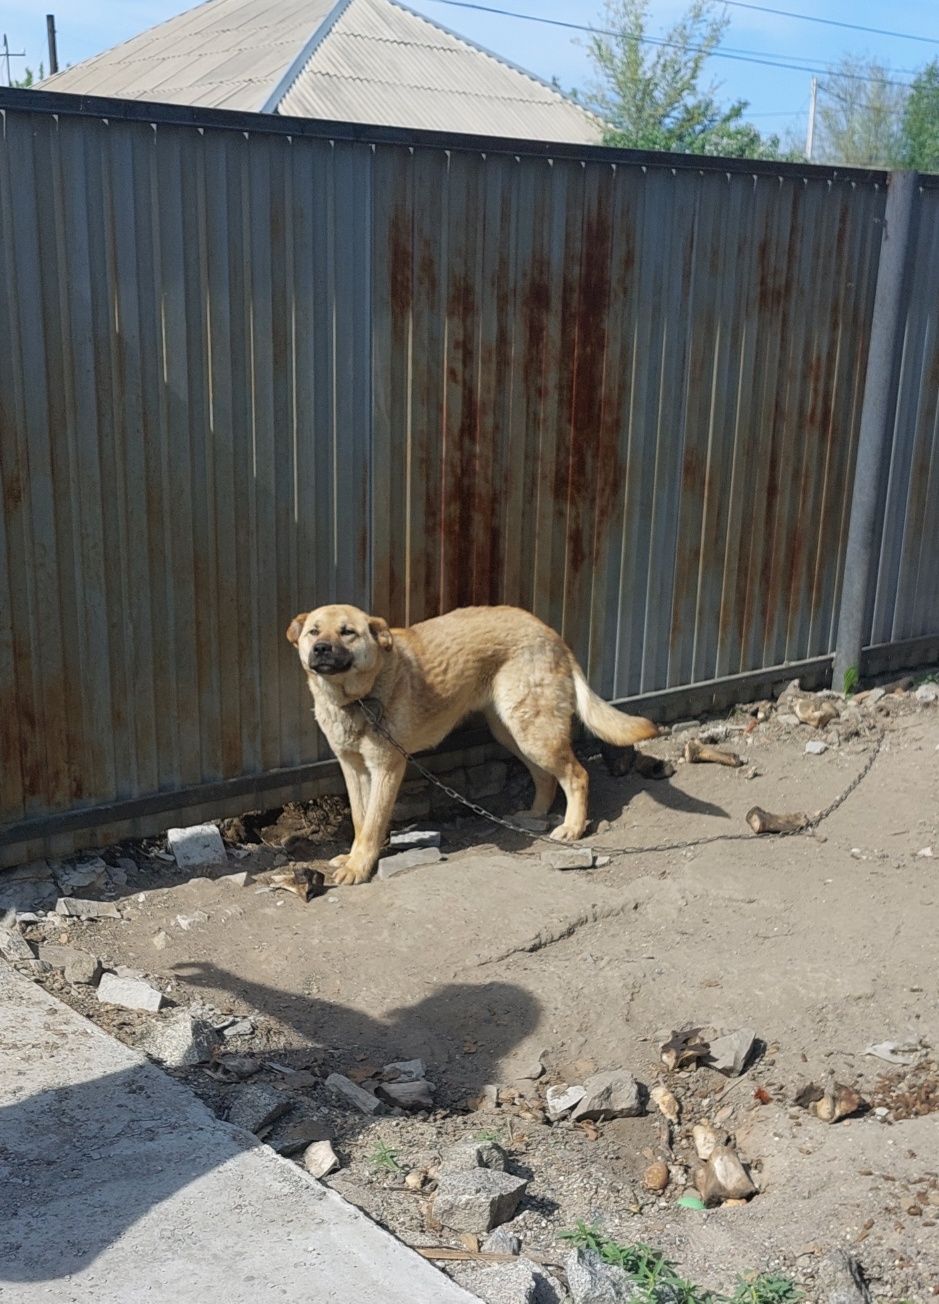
{"x":368,"y":61}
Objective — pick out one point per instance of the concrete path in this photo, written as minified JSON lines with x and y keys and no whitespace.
{"x":117,"y":1185}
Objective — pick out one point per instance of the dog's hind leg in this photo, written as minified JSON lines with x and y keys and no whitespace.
{"x":546,"y":785}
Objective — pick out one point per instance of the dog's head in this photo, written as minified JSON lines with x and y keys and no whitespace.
{"x":337,"y":640}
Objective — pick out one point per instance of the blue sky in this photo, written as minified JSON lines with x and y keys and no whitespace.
{"x":777,"y":98}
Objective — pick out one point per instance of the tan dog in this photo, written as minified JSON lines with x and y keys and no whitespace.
{"x":426,"y":679}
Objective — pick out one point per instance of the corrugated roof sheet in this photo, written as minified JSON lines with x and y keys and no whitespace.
{"x":385,"y":64}
{"x":223,"y":54}
{"x":368,"y":61}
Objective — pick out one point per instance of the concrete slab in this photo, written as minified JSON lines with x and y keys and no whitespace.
{"x":117,"y":1186}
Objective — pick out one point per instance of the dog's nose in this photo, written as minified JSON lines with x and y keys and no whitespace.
{"x":322,"y":648}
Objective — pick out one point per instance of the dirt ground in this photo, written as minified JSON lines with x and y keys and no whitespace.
{"x":488,"y":962}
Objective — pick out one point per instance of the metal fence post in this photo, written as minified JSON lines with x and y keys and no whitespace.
{"x":877,"y":416}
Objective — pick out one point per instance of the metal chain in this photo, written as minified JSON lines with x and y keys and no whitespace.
{"x":375,"y":720}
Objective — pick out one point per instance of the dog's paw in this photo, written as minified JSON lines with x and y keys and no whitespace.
{"x":337,"y":862}
{"x":566,"y":833}
{"x":349,"y":874}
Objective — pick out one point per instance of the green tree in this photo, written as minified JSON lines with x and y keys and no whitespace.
{"x":650,"y":91}
{"x":859,"y":119}
{"x":920,"y":126}
{"x":28,"y":79}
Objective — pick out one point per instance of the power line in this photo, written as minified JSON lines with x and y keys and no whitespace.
{"x":832,"y":22}
{"x":675,"y":45}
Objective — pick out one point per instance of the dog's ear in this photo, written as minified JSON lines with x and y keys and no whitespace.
{"x":295,"y":628}
{"x":380,"y":632}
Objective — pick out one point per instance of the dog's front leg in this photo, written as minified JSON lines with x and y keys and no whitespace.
{"x":355,"y":773}
{"x":384,"y":781}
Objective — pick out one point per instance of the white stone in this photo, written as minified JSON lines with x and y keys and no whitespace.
{"x":927,"y":693}
{"x":196,"y":846}
{"x":354,"y":1094}
{"x":389,"y":866}
{"x":75,"y":908}
{"x":560,"y":1100}
{"x":319,"y":1159}
{"x":815,"y":747}
{"x":414,"y":839}
{"x":130,"y":993}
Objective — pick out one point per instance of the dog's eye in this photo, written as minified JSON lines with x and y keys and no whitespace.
{"x":345,"y":632}
{"x":313,"y":632}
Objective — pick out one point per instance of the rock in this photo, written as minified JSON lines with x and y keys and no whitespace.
{"x":413,"y":805}
{"x":531,"y":823}
{"x":235,"y":880}
{"x":159,"y":940}
{"x":683,"y":726}
{"x":874,"y":696}
{"x":255,"y":1105}
{"x":502,"y":1241}
{"x":927,"y":693}
{"x":17,"y":951}
{"x":470,"y":1154}
{"x":924,"y":853}
{"x":531,"y":1071}
{"x":237,"y":1028}
{"x":70,"y":876}
{"x":408,"y":1095}
{"x":319,"y":1159}
{"x":666,"y":1103}
{"x":477,"y":1200}
{"x":404,"y":1071}
{"x":729,"y":1052}
{"x":568,"y":858}
{"x":131,"y":993}
{"x":186,"y":922}
{"x":84,"y":970}
{"x":656,"y":1176}
{"x":723,"y":1177}
{"x":706,"y":1139}
{"x":612,"y":1094}
{"x":561,"y":1099}
{"x":591,"y":1281}
{"x":415,"y":839}
{"x":298,"y":1136}
{"x":353,"y":1094}
{"x":815,"y":747}
{"x":180,"y":1041}
{"x":389,"y":866}
{"x":786,"y":689}
{"x":486,"y":780}
{"x":27,"y":887}
{"x":197,"y":846}
{"x":506,"y":1283}
{"x":76,"y":908}
{"x":839,"y":1280}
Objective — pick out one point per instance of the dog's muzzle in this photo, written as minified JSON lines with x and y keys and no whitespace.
{"x":328,"y":659}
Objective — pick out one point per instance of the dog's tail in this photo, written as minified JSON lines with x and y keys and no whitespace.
{"x":605,"y":721}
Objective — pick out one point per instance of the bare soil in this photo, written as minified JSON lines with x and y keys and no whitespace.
{"x":487,"y":962}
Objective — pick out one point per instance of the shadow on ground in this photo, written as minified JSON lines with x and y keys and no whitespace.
{"x":80,"y":1164}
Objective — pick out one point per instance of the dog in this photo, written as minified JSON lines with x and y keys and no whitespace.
{"x":423,"y":680}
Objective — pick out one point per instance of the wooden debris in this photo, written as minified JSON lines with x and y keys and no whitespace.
{"x":304,"y":883}
{"x":684,"y":1048}
{"x":817,"y":714}
{"x":701,"y":754}
{"x":764,"y":821}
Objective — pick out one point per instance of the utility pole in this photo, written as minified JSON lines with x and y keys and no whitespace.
{"x":810,"y":130}
{"x":53,"y":52}
{"x":9,"y":54}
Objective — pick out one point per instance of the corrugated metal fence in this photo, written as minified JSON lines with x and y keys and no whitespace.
{"x":248,"y":365}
